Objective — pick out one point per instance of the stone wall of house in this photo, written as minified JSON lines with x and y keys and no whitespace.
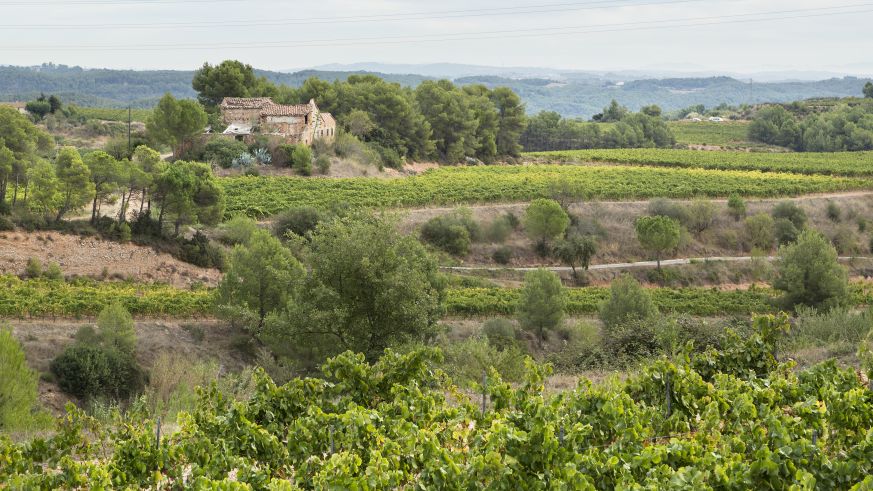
{"x":250,"y":115}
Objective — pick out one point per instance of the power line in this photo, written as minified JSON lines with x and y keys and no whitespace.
{"x":433,"y":15}
{"x":500,"y":34}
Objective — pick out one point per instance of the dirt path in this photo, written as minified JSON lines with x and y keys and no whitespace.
{"x":638,"y":264}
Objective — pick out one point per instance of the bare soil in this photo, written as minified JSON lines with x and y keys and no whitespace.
{"x":89,"y":256}
{"x":43,"y":340}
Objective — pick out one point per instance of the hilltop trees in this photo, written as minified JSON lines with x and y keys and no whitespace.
{"x":174,"y":121}
{"x":21,"y":145}
{"x":844,"y":128}
{"x":230,"y":78}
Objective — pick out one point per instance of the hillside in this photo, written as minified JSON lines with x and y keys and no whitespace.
{"x":570,"y":94}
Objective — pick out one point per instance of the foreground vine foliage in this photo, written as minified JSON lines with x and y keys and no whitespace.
{"x":737,"y":419}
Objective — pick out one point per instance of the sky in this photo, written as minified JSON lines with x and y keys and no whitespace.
{"x":725,"y":36}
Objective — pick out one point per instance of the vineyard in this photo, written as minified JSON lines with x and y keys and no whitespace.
{"x":708,"y":133}
{"x":265,"y":196}
{"x":47,"y":298}
{"x":735,"y":418}
{"x":855,"y":164}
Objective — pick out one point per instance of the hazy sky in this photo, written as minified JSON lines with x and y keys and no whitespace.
{"x":720,"y":35}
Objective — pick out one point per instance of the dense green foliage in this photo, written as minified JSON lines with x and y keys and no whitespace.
{"x":452,"y":232}
{"x":732,"y":418}
{"x":842,"y":128}
{"x":18,"y":392}
{"x":549,"y":131}
{"x":839,"y":164}
{"x":628,"y":301}
{"x":173,"y":122}
{"x":541,"y":303}
{"x":264,"y":196}
{"x":657,"y":234}
{"x":808,"y":273}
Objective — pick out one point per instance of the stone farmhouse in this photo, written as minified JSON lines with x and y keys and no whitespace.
{"x":300,"y":123}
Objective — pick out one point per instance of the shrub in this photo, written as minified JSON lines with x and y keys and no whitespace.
{"x":632,"y":339}
{"x":124,"y":232}
{"x":322,"y":164}
{"x":33,"y":269}
{"x":736,"y":207}
{"x":199,"y":251}
{"x":301,"y":160}
{"x":498,"y":230}
{"x":790,"y":211}
{"x":785,"y":231}
{"x":513,"y":220}
{"x":628,"y":301}
{"x":583,"y":350}
{"x":667,"y":208}
{"x":542,"y":302}
{"x":18,"y":385}
{"x":502,"y":255}
{"x":466,"y":361}
{"x":91,"y":371}
{"x":700,"y":214}
{"x":845,"y":241}
{"x":544,"y":220}
{"x":452,"y":232}
{"x":6,"y":224}
{"x":388,"y":156}
{"x":299,"y":221}
{"x":500,"y":333}
{"x":222,"y":151}
{"x":815,"y":327}
{"x":759,"y":231}
{"x":53,"y":272}
{"x":808,"y":273}
{"x":834,"y":212}
{"x":143,"y":224}
{"x":237,"y":230}
{"x":115,"y":329}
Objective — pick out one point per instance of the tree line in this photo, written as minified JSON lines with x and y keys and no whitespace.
{"x":436,"y":120}
{"x":549,"y":131}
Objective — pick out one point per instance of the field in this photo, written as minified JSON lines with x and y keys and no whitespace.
{"x":78,"y":298}
{"x":111,"y":114}
{"x":724,"y":134}
{"x":265,"y":196}
{"x":837,"y":164}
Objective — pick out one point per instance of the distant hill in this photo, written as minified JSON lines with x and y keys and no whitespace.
{"x":573,"y":94}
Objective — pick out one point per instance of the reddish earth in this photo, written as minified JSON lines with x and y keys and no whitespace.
{"x":89,"y":256}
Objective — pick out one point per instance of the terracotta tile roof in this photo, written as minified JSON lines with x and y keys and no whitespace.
{"x":327,"y":119}
{"x":281,"y":110}
{"x":246,"y":102}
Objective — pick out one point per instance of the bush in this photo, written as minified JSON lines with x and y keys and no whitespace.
{"x":53,"y":272}
{"x":785,"y":231}
{"x":28,"y":220}
{"x":299,"y":221}
{"x":144,"y":225}
{"x":500,"y":333}
{"x":93,"y":371}
{"x":322,"y":164}
{"x":502,"y":255}
{"x":583,"y":350}
{"x":628,"y":301}
{"x":667,"y":208}
{"x":466,"y":361}
{"x":815,"y":328}
{"x":834,"y":212}
{"x":542,"y":302}
{"x":701,"y":215}
{"x":124,"y":232}
{"x":199,"y":251}
{"x":33,"y":269}
{"x":388,"y":156}
{"x":846,"y":242}
{"x":453,"y":232}
{"x":791,"y":212}
{"x":6,"y":224}
{"x":18,"y":385}
{"x":498,"y":230}
{"x":237,"y":230}
{"x":115,"y":329}
{"x":808,"y":273}
{"x":736,"y":207}
{"x":759,"y":231}
{"x":632,"y":339}
{"x":301,"y":160}
{"x":222,"y":151}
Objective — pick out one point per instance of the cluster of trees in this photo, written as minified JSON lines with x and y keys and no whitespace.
{"x":435,"y":120}
{"x":43,"y":105}
{"x":844,"y":128}
{"x":647,"y":128}
{"x":53,"y":184}
{"x":351,"y":282}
